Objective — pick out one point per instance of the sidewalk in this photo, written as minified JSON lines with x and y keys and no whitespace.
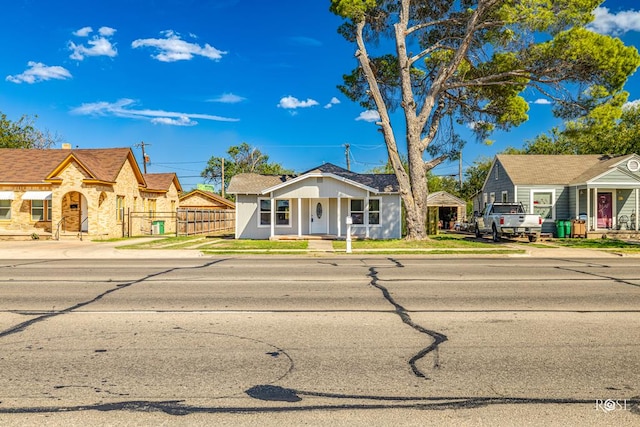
{"x":72,"y":249}
{"x":76,"y":249}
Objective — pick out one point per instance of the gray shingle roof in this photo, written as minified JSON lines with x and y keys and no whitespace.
{"x":252,"y":183}
{"x":543,"y":169}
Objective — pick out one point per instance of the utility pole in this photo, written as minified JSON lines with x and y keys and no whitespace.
{"x":222,"y":182}
{"x":348,"y":156}
{"x":145,"y":158}
{"x":460,"y":171}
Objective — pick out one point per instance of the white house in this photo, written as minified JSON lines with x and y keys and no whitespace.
{"x":317,"y":202}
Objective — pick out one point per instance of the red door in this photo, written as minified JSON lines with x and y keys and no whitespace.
{"x":605,"y":210}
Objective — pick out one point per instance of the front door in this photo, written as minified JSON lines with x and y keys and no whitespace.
{"x":605,"y":210}
{"x":319,"y":216}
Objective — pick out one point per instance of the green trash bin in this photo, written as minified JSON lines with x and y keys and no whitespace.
{"x":567,"y":228}
{"x":158,"y":226}
{"x":560,"y":229}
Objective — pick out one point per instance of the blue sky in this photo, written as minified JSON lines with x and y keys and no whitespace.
{"x":191,"y":78}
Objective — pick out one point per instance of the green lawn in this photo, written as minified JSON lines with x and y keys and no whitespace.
{"x":596,"y":243}
{"x":609,"y":245}
{"x":217,"y":244}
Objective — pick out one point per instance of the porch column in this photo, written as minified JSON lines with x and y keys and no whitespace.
{"x":366,"y":214}
{"x":577,"y":211}
{"x":637,"y":208}
{"x":272,"y":216}
{"x":595,"y":208}
{"x":589,"y":208}
{"x":340,"y":216}
{"x":299,"y":217}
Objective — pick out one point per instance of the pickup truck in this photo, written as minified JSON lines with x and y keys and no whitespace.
{"x":507,"y":219}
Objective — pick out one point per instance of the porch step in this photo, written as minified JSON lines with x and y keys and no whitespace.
{"x":21,"y":235}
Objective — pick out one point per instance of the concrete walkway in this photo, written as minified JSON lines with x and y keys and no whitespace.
{"x":320,"y":246}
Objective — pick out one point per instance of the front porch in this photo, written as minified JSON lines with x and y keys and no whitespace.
{"x":608,"y":211}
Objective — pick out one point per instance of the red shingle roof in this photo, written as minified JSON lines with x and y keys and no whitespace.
{"x":35,"y":166}
{"x":161,"y":181}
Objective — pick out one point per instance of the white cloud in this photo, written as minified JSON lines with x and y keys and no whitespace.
{"x":542,"y":101}
{"x":606,"y":22}
{"x":123,"y":108}
{"x":228,"y":98}
{"x":107,"y":31}
{"x":38,"y":72}
{"x":83,"y":32}
{"x":290,"y":102}
{"x":180,"y":121}
{"x":369,"y":116}
{"x":98,"y":45}
{"x":173,"y":48}
{"x":631,"y":104}
{"x":334,"y":101}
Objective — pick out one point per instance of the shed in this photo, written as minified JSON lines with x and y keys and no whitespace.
{"x":450,"y":209}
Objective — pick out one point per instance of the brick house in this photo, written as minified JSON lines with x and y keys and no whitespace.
{"x":77,"y":191}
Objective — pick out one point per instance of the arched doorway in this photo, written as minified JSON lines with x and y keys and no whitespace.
{"x":75,"y":212}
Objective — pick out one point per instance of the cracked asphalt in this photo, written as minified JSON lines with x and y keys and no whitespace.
{"x":372,"y":340}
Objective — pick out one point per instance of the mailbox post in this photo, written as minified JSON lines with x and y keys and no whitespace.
{"x":349,"y":221}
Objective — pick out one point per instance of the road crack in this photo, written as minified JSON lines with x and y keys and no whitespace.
{"x":437,"y":337}
{"x":21,"y":327}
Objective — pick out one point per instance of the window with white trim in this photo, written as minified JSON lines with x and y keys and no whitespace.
{"x":282,"y":212}
{"x":5,"y":209}
{"x":357,"y":211}
{"x":542,"y":202}
{"x":374,"y":211}
{"x":40,"y":210}
{"x":505,"y":196}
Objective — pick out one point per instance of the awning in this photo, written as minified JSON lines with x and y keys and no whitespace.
{"x":36,"y":195}
{"x":7,"y":195}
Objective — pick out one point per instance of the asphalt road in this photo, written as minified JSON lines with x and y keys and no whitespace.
{"x":404,"y":340}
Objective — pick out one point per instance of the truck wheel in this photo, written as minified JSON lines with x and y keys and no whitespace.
{"x":494,"y":234}
{"x":532,"y":238}
{"x":478,"y":234}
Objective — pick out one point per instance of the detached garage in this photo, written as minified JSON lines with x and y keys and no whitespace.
{"x":445,"y":210}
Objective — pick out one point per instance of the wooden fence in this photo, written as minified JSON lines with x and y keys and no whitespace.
{"x":204,"y":221}
{"x":183,"y":222}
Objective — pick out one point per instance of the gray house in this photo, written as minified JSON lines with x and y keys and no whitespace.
{"x":317,"y":202}
{"x":604,"y":191}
